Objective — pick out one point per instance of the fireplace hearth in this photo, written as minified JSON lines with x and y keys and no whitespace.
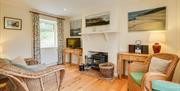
{"x":95,"y":58}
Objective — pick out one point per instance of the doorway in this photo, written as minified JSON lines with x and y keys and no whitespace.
{"x":48,"y":42}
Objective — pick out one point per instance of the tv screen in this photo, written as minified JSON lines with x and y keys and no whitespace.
{"x":73,"y":42}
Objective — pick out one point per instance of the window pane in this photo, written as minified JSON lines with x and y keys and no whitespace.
{"x":47,"y":34}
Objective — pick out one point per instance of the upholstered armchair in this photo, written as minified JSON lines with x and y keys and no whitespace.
{"x":141,"y":74}
{"x":48,"y":79}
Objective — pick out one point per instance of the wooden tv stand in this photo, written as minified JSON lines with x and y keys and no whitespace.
{"x":71,"y":51}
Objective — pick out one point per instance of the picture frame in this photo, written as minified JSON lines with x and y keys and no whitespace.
{"x":12,"y":23}
{"x":147,"y":20}
{"x":101,"y":19}
{"x":75,"y":27}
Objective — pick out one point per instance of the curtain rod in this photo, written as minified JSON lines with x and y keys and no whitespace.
{"x":46,"y":15}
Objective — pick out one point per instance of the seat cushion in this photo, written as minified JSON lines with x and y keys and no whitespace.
{"x":19,"y":60}
{"x":32,"y":68}
{"x":158,"y":85}
{"x":137,"y":77}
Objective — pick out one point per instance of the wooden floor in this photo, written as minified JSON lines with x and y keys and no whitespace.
{"x":78,"y":81}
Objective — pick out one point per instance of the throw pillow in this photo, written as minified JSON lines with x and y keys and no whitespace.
{"x":19,"y":60}
{"x":158,"y":65}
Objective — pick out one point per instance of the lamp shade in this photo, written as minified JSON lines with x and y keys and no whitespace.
{"x":157,"y":37}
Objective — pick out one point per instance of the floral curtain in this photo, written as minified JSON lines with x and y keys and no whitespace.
{"x":36,"y":37}
{"x":60,"y":27}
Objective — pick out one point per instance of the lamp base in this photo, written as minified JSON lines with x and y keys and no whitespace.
{"x":156,"y":48}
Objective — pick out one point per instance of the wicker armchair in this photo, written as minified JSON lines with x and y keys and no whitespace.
{"x":144,"y":78}
{"x":49,"y":79}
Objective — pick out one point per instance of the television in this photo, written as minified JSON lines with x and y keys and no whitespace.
{"x":73,"y":43}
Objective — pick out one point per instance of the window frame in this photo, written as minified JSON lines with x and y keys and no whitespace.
{"x":54,"y":31}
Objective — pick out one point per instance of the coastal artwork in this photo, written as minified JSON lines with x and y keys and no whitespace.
{"x":12,"y":23}
{"x":98,"y":20}
{"x":147,"y":20}
{"x":75,"y":27}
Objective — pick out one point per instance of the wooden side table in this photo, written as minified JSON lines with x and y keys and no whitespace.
{"x":77,"y":52}
{"x":123,"y":57}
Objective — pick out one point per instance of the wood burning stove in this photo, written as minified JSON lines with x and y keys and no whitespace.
{"x":97,"y":58}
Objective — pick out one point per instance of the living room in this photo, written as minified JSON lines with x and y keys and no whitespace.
{"x":112,"y":38}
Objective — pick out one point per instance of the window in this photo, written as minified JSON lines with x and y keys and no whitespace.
{"x":48,"y":33}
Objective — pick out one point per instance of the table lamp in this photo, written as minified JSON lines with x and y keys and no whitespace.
{"x":157,"y":38}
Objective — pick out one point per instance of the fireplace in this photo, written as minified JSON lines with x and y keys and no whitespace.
{"x":93,"y":59}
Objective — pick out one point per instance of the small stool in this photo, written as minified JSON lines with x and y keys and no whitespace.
{"x":107,"y":70}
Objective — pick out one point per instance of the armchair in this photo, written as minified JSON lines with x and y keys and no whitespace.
{"x":49,"y":79}
{"x":140,"y":77}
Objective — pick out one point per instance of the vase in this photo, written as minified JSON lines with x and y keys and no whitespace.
{"x":156,"y":48}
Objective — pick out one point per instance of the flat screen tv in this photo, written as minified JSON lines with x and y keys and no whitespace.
{"x":73,"y":43}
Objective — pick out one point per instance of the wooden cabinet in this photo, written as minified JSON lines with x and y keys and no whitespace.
{"x":77,"y":52}
{"x":131,"y":57}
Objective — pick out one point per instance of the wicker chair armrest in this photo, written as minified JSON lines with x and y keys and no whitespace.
{"x":23,"y":80}
{"x":138,"y":66}
{"x":31,"y":61}
{"x":47,"y":71}
{"x":148,"y":77}
{"x":15,"y":71}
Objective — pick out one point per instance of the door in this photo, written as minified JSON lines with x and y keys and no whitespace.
{"x":48,"y":42}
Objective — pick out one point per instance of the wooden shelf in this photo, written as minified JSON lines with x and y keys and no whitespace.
{"x":105,"y":33}
{"x":85,"y":33}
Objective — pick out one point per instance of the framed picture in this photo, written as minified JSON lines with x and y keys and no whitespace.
{"x":147,"y":20}
{"x":12,"y":23}
{"x":98,"y":20}
{"x":75,"y":27}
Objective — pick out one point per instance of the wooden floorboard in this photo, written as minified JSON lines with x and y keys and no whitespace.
{"x":78,"y":81}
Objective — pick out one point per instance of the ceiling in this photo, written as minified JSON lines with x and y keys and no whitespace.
{"x":69,"y":7}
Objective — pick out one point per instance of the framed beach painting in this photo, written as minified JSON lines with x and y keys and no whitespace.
{"x":12,"y":23}
{"x":147,"y":20}
{"x":98,"y":20}
{"x":75,"y":27}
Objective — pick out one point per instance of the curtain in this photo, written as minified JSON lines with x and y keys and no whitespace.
{"x":36,"y":37}
{"x":60,"y":33}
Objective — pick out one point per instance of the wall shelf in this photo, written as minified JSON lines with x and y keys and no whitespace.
{"x":105,"y":33}
{"x":86,"y":33}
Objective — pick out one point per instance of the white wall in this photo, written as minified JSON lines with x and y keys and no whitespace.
{"x":100,"y":42}
{"x":19,"y":43}
{"x":119,"y":22}
{"x":136,"y":5}
{"x":178,"y":25}
{"x":172,"y":32}
{"x":16,"y":42}
{"x":177,"y":71}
